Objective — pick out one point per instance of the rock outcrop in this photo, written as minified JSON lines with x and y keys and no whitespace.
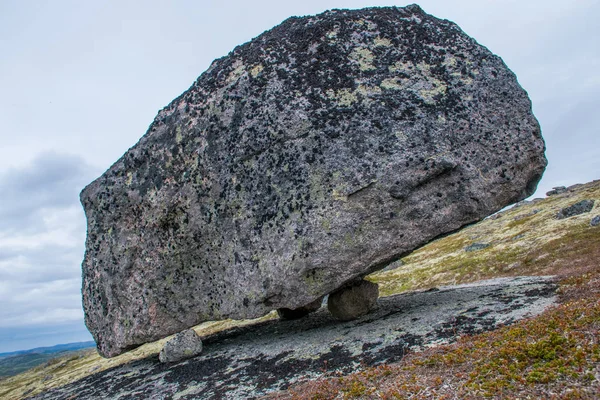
{"x":557,"y":190}
{"x":581,"y":207}
{"x":253,"y":361}
{"x":320,"y":151}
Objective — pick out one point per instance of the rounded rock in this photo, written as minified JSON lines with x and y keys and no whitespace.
{"x":184,"y":345}
{"x":353,"y":301}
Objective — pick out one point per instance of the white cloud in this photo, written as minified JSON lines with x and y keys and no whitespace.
{"x":42,"y":236}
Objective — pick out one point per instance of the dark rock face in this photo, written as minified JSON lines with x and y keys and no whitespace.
{"x":578,"y":208}
{"x":317,"y":153}
{"x":287,"y":313}
{"x":184,"y":345}
{"x":353,"y":301}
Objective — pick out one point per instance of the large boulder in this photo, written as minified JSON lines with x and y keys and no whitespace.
{"x":319,"y":152}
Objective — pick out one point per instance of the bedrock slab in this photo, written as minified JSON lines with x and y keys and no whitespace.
{"x":257,"y":360}
{"x":317,"y":153}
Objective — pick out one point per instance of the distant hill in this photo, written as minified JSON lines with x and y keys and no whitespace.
{"x":15,"y":362}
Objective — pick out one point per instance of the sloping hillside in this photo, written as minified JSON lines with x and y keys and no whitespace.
{"x":558,"y":349}
{"x":527,"y":239}
{"x":553,"y":355}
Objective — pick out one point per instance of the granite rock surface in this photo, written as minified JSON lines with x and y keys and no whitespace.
{"x":320,"y":151}
{"x":184,"y":345}
{"x":254,"y":361}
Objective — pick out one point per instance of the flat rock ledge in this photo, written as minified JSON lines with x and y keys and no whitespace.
{"x":254,"y":361}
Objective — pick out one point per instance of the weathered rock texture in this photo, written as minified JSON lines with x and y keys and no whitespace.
{"x":250,"y":362}
{"x":354,"y":300}
{"x":182,"y":346}
{"x":581,"y":207}
{"x":318,"y":152}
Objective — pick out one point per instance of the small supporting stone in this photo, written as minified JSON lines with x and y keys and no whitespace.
{"x":288,"y":313}
{"x":595,"y":221}
{"x":354,"y":300}
{"x":184,"y":345}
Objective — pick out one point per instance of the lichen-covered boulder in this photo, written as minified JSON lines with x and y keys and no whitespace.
{"x":320,"y":151}
{"x":581,"y":207}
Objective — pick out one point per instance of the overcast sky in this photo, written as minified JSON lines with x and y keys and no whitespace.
{"x":80,"y":81}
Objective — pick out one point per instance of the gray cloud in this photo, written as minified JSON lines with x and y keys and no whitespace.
{"x":42,"y":234}
{"x":52,"y":181}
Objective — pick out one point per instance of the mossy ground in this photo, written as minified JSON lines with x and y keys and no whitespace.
{"x":555,"y":355}
{"x":524,"y":240}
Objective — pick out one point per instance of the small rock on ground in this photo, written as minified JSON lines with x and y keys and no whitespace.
{"x":556,"y":191}
{"x":595,"y":221}
{"x":353,"y":301}
{"x":476,"y":246}
{"x":184,"y":345}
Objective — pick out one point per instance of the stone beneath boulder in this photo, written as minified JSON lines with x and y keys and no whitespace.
{"x":317,"y":153}
{"x":556,"y":191}
{"x":184,"y":345}
{"x":578,"y":208}
{"x":287,"y":313}
{"x":354,"y":300}
{"x":595,"y":221}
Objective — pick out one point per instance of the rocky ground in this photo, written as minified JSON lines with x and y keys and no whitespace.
{"x":252,"y":361}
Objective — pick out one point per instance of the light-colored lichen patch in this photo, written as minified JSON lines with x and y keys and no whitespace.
{"x":391,"y":84}
{"x":368,"y":91}
{"x":382,"y":42}
{"x":434,"y":89}
{"x":343,"y":97}
{"x":178,"y":135}
{"x":238,"y":71}
{"x":364,"y":57}
{"x":401,"y":66}
{"x":256,"y":70}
